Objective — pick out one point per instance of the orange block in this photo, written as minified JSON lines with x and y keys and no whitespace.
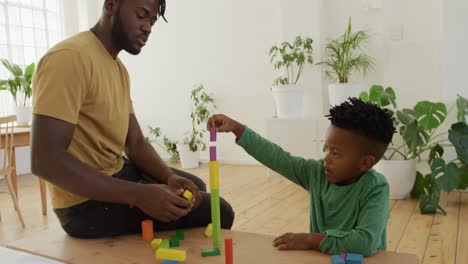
{"x":147,"y":230}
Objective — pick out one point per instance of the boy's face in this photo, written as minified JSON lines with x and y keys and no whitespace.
{"x":345,"y":160}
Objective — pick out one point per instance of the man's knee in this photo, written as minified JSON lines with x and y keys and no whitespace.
{"x":227,"y":214}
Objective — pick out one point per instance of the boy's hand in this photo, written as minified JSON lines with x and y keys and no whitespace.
{"x":226,"y":124}
{"x":298,"y":241}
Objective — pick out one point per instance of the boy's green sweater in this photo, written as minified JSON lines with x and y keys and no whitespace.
{"x":353,"y":217}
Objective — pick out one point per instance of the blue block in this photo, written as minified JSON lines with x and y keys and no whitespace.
{"x":170,"y":262}
{"x":336,"y":259}
{"x":354,"y":258}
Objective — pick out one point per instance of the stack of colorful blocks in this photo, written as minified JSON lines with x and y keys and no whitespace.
{"x":347,"y":258}
{"x":163,"y":246}
{"x":215,"y":206}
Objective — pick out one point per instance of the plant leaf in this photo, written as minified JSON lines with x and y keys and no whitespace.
{"x":418,"y":188}
{"x":450,"y":178}
{"x":463,"y":177}
{"x":430,"y":115}
{"x":436,"y":152}
{"x":462,"y":109}
{"x":458,"y":136}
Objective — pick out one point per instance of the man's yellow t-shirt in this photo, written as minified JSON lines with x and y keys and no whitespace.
{"x":79,"y":82}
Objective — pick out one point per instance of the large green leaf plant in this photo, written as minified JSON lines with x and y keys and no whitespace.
{"x":419,"y":127}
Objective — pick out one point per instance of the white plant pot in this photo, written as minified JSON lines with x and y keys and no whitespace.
{"x":400,"y":174}
{"x":288,"y":100}
{"x":23,"y":115}
{"x":188,"y":159}
{"x":340,"y":92}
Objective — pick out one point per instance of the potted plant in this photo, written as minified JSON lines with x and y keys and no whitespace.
{"x":289,"y":59}
{"x":20,"y":88}
{"x":446,"y":176}
{"x":190,"y":146}
{"x":188,"y":149}
{"x":345,"y":56}
{"x":419,"y":131}
{"x":164,"y":142}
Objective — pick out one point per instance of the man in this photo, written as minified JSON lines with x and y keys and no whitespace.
{"x":84,"y":120}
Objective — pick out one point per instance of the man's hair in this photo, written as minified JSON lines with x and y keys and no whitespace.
{"x":162,"y":8}
{"x":364,"y":119}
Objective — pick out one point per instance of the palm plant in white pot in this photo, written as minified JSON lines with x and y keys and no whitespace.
{"x":345,"y":56}
{"x":19,"y":87}
{"x":290,"y":59}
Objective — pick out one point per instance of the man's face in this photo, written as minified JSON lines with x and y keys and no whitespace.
{"x":133,"y":23}
{"x":344,"y":157}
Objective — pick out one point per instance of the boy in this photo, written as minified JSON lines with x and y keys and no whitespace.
{"x":349,"y":202}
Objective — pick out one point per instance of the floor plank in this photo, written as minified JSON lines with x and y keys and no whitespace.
{"x":441,"y":247}
{"x":415,"y":238}
{"x":398,"y":222}
{"x":272,"y":205}
{"x":462,"y":242}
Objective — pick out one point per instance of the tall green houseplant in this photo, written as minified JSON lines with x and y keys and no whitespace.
{"x":19,"y":85}
{"x":346,"y":55}
{"x":202,"y":107}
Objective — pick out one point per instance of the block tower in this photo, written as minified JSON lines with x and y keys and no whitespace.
{"x":214,"y":188}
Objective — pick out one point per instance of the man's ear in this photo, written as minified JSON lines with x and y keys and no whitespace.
{"x":367,"y":162}
{"x":111,"y":7}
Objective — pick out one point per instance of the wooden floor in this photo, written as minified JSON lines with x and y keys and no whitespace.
{"x":268,"y":204}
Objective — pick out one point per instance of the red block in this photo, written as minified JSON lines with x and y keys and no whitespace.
{"x":228,"y":250}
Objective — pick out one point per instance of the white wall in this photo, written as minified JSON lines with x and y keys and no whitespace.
{"x":224,"y":45}
{"x":455,"y":36}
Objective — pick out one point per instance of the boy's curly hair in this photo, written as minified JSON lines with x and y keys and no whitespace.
{"x":364,"y":119}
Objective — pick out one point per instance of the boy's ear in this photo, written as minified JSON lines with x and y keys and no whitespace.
{"x":367,"y":162}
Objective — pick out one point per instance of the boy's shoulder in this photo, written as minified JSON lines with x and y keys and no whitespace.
{"x":373,"y":178}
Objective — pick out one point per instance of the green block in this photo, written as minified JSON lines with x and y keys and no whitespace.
{"x":174,"y":241}
{"x":211,"y":252}
{"x":180,"y":234}
{"x":216,"y":218}
{"x":165,"y":244}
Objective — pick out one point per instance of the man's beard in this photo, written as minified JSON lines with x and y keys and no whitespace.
{"x":121,"y":38}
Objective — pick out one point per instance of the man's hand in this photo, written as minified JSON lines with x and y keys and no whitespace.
{"x":179,"y":182}
{"x":298,"y":241}
{"x":226,"y":124}
{"x":163,"y":202}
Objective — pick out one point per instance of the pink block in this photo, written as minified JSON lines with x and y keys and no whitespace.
{"x":343,"y":256}
{"x":213,"y":134}
{"x":212,"y":153}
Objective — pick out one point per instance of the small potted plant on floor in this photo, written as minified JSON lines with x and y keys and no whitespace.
{"x":164,"y":143}
{"x":346,"y":55}
{"x":193,"y":141}
{"x":20,"y":88}
{"x":290,"y":59}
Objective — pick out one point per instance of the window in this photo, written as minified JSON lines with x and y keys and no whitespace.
{"x":27,"y":29}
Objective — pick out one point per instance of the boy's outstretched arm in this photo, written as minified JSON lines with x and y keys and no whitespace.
{"x":296,"y":169}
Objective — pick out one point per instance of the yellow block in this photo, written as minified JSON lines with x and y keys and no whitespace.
{"x":156,"y":243}
{"x":214,"y":175}
{"x":187,"y":195}
{"x":209,"y":230}
{"x":171,"y":254}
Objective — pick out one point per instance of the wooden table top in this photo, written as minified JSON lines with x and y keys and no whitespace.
{"x":248,"y":248}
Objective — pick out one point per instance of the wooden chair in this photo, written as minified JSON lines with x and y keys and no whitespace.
{"x":6,"y":128}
